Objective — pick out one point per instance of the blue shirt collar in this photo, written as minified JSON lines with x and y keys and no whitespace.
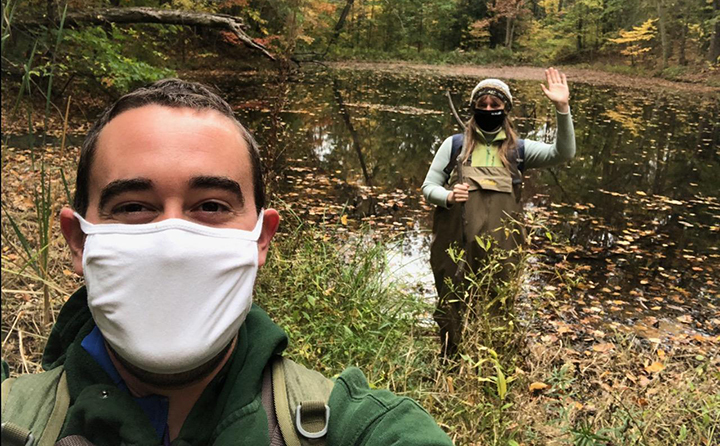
{"x":154,"y":406}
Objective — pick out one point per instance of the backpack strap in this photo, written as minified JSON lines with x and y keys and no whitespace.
{"x":268,"y":404}
{"x":457,"y":143}
{"x":300,"y":399}
{"x":34,"y":407}
{"x":521,"y":155}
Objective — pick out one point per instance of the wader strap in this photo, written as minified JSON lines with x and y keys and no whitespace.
{"x":456,"y":148}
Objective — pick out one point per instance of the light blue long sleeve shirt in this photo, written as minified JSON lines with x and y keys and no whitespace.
{"x":537,"y":154}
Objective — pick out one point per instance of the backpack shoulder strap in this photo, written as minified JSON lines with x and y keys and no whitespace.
{"x":34,"y":407}
{"x":521,"y":154}
{"x":457,"y":143}
{"x":300,"y":399}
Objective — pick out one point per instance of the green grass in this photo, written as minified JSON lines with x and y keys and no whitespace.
{"x":334,"y":298}
{"x":330,"y":291}
{"x":338,"y":305}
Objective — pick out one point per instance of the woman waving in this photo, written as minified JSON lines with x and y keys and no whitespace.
{"x":475,"y":181}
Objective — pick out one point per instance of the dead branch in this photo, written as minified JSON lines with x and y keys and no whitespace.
{"x":159,"y":16}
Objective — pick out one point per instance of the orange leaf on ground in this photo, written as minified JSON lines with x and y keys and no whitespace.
{"x":654,"y":367}
{"x":604,"y":347}
{"x":538,"y":386}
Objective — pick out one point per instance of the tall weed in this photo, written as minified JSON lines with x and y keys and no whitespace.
{"x":36,"y":248}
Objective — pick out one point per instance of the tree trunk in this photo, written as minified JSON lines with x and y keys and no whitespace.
{"x":714,"y":50}
{"x":512,"y":33}
{"x":353,"y":133}
{"x":370,"y":25}
{"x":663,"y":33}
{"x":421,"y":33}
{"x":160,"y":16}
{"x":682,"y":59}
{"x":508,"y":32}
{"x":579,"y":39}
{"x":343,"y":16}
{"x":340,"y":23}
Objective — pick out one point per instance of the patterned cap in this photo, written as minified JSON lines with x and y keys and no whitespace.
{"x":493,"y":87}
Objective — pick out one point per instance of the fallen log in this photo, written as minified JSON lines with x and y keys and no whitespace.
{"x":153,"y":15}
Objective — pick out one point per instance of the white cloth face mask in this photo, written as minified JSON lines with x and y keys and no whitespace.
{"x":169,"y":296}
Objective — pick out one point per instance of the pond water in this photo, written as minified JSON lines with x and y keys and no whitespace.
{"x":637,"y":209}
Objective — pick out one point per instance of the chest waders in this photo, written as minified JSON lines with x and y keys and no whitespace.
{"x":493,"y":209}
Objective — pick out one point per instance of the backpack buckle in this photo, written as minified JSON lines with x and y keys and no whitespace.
{"x":312,"y":411}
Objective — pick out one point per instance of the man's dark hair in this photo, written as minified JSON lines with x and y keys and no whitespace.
{"x":169,"y":93}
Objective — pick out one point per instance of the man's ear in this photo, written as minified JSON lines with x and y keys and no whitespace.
{"x":271,"y":221}
{"x":75,"y":238}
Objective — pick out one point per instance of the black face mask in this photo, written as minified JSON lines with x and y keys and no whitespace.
{"x":489,"y":120}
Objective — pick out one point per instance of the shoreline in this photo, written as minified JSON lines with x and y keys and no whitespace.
{"x":582,"y":75}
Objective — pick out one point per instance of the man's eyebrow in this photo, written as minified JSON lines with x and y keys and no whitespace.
{"x":118,"y":187}
{"x":217,"y":182}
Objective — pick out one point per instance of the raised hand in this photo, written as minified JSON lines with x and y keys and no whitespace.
{"x":557,"y":89}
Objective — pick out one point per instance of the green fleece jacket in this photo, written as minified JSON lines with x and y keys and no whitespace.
{"x":229,"y":412}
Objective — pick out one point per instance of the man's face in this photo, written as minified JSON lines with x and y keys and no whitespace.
{"x":154,"y":162}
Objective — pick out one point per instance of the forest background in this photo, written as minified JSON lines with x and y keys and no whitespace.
{"x":674,"y":39}
{"x":555,"y":380}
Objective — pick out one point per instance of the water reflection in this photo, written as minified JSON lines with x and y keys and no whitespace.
{"x":638,"y":206}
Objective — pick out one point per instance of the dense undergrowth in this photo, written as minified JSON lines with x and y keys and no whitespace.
{"x":333,"y":296}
